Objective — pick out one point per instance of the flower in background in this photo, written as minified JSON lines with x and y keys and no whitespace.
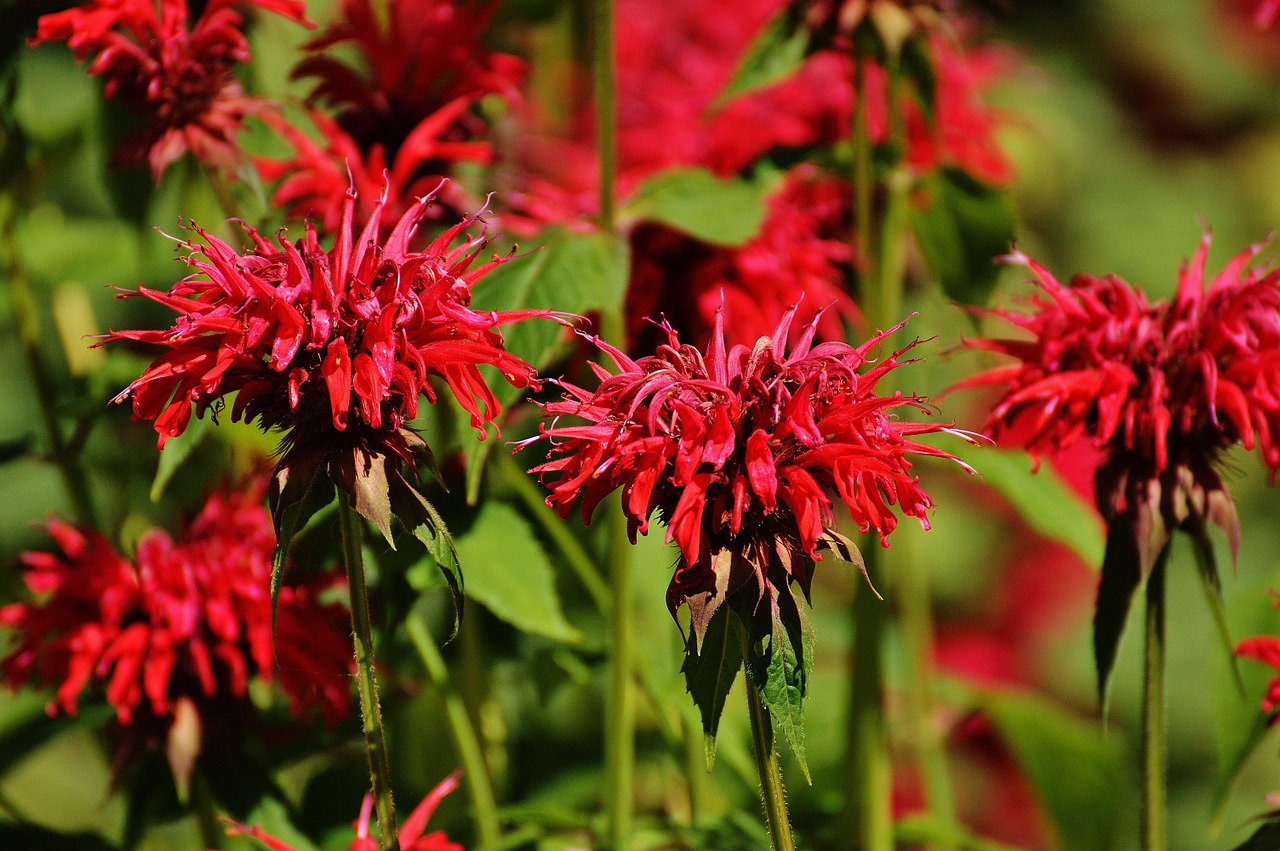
{"x":412,"y":834}
{"x":178,"y":74}
{"x":1163,"y":388}
{"x":331,"y":347}
{"x":737,"y":450}
{"x":184,"y":624}
{"x":799,"y":260}
{"x":411,"y":116}
{"x":1266,"y":649}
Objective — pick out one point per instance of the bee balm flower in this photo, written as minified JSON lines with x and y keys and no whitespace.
{"x":739,"y":451}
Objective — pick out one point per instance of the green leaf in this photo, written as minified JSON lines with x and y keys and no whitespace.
{"x":721,"y":211}
{"x":1265,"y":838}
{"x":1042,"y":499}
{"x":1076,"y":772}
{"x":176,"y":451}
{"x":297,"y":492}
{"x":571,"y":272}
{"x":962,"y":225}
{"x":1212,"y":584}
{"x":27,"y":726}
{"x":773,"y":55}
{"x":923,"y":829}
{"x":846,"y":549}
{"x":787,"y":665}
{"x":510,"y":575}
{"x":1121,"y":576}
{"x":709,"y":674}
{"x":425,"y":523}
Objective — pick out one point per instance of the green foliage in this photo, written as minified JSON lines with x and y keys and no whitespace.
{"x":775,"y":54}
{"x":721,"y":211}
{"x":176,"y":451}
{"x":710,"y":669}
{"x":1265,"y":838}
{"x":962,"y":226}
{"x":781,"y":671}
{"x":1043,"y":499}
{"x":510,"y":575}
{"x":1078,"y":775}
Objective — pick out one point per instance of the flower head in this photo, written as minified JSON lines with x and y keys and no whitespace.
{"x":738,"y":450}
{"x":1163,"y":388}
{"x":412,"y":834}
{"x":426,"y":56}
{"x":186,"y":618}
{"x":179,"y":75}
{"x":332,"y":347}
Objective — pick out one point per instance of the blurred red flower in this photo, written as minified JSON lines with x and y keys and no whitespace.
{"x":799,"y":260}
{"x":737,"y":449}
{"x":185,"y":618}
{"x":1265,"y":649}
{"x":332,"y":347}
{"x":1164,"y":388}
{"x":177,"y":73}
{"x":412,"y":833}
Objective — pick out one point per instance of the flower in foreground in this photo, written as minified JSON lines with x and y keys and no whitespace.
{"x":179,"y":75}
{"x":738,"y":451}
{"x":331,"y":347}
{"x":1163,"y":388}
{"x":412,"y":835}
{"x":184,"y":624}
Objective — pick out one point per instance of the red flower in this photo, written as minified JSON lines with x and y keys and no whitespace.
{"x":1265,"y":649}
{"x":1163,"y":388}
{"x":412,"y":834}
{"x":427,"y":56}
{"x":799,"y":259}
{"x":314,"y":182}
{"x":332,"y":347}
{"x":737,"y":450}
{"x":180,"y":79}
{"x":183,"y":619}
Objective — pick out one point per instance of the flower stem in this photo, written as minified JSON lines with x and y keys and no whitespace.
{"x":479,"y":783}
{"x":25,"y":316}
{"x":366,"y":679}
{"x":868,"y":818}
{"x":771,"y":791}
{"x":1154,"y":829}
{"x":604,"y":87}
{"x":620,"y":722}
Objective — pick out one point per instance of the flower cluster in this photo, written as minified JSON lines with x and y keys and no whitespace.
{"x":178,"y":74}
{"x":1163,"y":388}
{"x":411,"y":117}
{"x":737,"y":449}
{"x":333,"y":347}
{"x":186,"y":617}
{"x":412,"y":835}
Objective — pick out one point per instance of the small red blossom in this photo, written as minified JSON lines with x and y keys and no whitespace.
{"x":187,"y":618}
{"x":426,"y":56}
{"x":178,"y":74}
{"x":1163,"y":388}
{"x":1265,"y":649}
{"x":737,"y":450}
{"x":412,"y":834}
{"x":332,"y":347}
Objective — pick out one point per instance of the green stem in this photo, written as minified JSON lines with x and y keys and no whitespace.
{"x":868,"y":818}
{"x":923,"y":731}
{"x":620,"y":722}
{"x":366,"y":679}
{"x":771,"y":791}
{"x":1154,"y":828}
{"x":863,"y":174}
{"x":694,"y":765}
{"x":479,"y":785}
{"x":605,"y":89}
{"x":211,"y":833}
{"x":25,"y":316}
{"x":222,"y":193}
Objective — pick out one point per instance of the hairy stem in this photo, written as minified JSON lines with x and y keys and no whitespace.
{"x":1154,"y":755}
{"x":868,"y":819}
{"x":479,"y":784}
{"x":771,"y":792}
{"x":366,"y":678}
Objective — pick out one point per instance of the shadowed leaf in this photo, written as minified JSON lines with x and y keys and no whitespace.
{"x":709,"y":674}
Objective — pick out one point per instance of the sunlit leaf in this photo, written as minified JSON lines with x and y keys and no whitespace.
{"x":722,"y":211}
